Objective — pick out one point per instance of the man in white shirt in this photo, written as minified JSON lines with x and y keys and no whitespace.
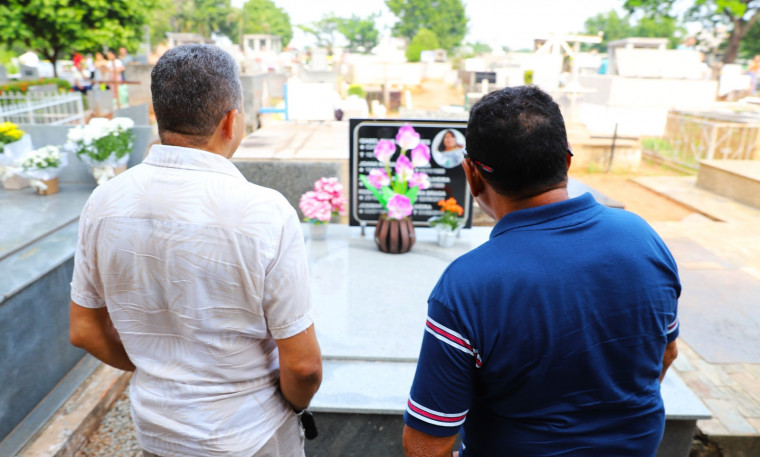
{"x":197,"y":280}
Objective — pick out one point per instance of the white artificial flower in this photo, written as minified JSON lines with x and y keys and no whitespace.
{"x":122,"y":123}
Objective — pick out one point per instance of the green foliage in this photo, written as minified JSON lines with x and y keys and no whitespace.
{"x":528,"y":77}
{"x":22,"y":87}
{"x":205,"y":17}
{"x":615,"y":27}
{"x":324,"y":30}
{"x":357,"y":89}
{"x":444,"y":18}
{"x":480,"y":48}
{"x":263,"y":16}
{"x":750,"y":45}
{"x":161,"y":23}
{"x":362,"y":34}
{"x":424,"y":40}
{"x":54,"y":28}
{"x":741,"y":14}
{"x":611,"y":25}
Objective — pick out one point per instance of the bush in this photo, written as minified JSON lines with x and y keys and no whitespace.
{"x":357,"y":89}
{"x":23,"y":86}
{"x":528,"y":77}
{"x":424,"y":40}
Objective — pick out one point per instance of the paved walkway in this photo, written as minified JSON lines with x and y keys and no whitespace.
{"x":718,"y":253}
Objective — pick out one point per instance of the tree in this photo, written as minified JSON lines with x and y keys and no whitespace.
{"x":54,"y":28}
{"x":324,"y":30}
{"x":263,"y":16}
{"x":204,"y":17}
{"x":362,"y":34}
{"x":444,"y":18}
{"x":615,"y":27}
{"x":741,"y":14}
{"x":480,"y":48}
{"x":611,"y":25}
{"x":424,"y":40}
{"x":750,"y":46}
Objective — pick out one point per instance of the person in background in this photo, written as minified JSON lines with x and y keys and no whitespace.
{"x":82,"y":76}
{"x":101,"y":66}
{"x":753,"y":70}
{"x":552,"y":337}
{"x":113,"y":68}
{"x":197,"y":280}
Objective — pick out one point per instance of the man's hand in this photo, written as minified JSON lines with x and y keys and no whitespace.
{"x":418,"y":444}
{"x":671,"y":352}
{"x":300,"y":368}
{"x":91,"y":329}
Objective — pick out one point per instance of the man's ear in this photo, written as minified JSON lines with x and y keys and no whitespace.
{"x":569,"y":160}
{"x":228,"y":124}
{"x":474,"y":178}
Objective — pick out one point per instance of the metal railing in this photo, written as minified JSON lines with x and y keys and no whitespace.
{"x":714,"y":135}
{"x":42,"y":108}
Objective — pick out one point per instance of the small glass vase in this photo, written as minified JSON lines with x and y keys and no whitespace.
{"x":318,"y":231}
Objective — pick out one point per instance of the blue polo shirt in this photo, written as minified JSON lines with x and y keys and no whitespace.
{"x":548,"y":339}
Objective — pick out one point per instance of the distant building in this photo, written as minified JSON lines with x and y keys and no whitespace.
{"x":257,"y":44}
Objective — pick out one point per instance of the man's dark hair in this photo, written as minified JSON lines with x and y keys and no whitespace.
{"x":518,"y":132}
{"x":193,"y":86}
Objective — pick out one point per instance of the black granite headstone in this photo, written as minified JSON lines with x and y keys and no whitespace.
{"x":447,"y":177}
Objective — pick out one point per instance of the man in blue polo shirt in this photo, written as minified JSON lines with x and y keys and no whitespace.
{"x":552,"y":337}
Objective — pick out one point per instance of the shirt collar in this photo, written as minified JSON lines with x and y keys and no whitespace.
{"x":190,"y":159}
{"x":553,"y":213}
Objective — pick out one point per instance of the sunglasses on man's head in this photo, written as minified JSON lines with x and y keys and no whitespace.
{"x":488,"y":169}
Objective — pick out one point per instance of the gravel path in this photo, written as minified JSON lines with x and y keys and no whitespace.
{"x":116,"y":435}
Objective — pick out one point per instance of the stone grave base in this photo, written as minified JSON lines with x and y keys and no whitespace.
{"x":736,"y":179}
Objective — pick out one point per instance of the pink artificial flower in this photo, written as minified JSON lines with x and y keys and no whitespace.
{"x":384,"y":150}
{"x":316,"y":205}
{"x":420,"y":180}
{"x":329,"y":185}
{"x":379,"y":178}
{"x":339,"y":205}
{"x":421,"y":155}
{"x":399,"y":207}
{"x":404,"y":169}
{"x":407,"y":138}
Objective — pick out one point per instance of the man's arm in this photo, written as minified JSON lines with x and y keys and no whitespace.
{"x":418,"y":444}
{"x":91,"y":329}
{"x":300,"y":367}
{"x":671,"y":352}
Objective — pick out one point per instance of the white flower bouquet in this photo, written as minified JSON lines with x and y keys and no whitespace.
{"x":103,"y":144}
{"x":42,"y":166}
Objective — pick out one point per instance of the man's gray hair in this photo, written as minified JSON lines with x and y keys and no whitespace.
{"x":193,"y":86}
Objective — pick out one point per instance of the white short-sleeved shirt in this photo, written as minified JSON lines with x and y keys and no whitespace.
{"x":200,"y":270}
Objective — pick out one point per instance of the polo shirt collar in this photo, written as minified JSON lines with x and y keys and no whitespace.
{"x":190,"y":159}
{"x":552,"y":214}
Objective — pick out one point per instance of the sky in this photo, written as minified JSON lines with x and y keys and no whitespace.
{"x":512,"y":23}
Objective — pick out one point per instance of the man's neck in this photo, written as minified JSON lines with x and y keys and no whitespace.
{"x":185,"y":141}
{"x":505,"y":205}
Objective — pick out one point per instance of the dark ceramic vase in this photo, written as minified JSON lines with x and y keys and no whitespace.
{"x":394,"y":236}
